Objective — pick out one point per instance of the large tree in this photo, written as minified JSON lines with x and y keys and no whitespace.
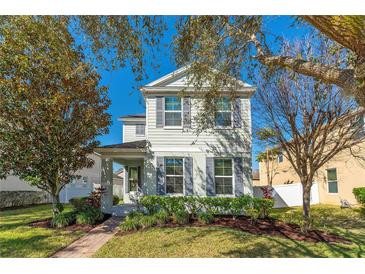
{"x":310,"y":121}
{"x":233,"y":43}
{"x":52,"y":107}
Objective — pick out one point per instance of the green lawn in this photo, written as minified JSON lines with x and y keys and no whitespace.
{"x":17,"y":239}
{"x":223,"y":242}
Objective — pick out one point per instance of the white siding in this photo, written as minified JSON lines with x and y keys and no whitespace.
{"x":232,"y":141}
{"x":129,"y":132}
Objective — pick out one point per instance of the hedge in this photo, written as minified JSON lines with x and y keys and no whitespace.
{"x":211,"y":205}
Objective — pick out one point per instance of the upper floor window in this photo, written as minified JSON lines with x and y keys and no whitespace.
{"x":174,"y":175}
{"x":173,"y":111}
{"x":332,"y":180}
{"x":280,"y":157}
{"x":223,"y":176}
{"x":140,"y":130}
{"x":223,"y":115}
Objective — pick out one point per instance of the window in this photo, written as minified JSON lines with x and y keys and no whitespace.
{"x":174,"y":175}
{"x":280,"y":157}
{"x":173,"y":111}
{"x":140,"y":130}
{"x":223,"y":115}
{"x":332,"y":180}
{"x":223,"y":176}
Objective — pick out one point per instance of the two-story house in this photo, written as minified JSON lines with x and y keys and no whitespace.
{"x":162,"y":155}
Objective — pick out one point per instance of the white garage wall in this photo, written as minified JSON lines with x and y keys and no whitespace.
{"x":290,"y":194}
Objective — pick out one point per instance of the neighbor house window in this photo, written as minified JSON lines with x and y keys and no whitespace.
{"x":332,"y":180}
{"x":172,"y":111}
{"x":223,"y":176}
{"x":174,"y":175}
{"x":223,"y":115}
{"x":140,"y":130}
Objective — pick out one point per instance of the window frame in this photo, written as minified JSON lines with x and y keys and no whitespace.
{"x":144,"y":130}
{"x":173,"y":111}
{"x":224,"y":111}
{"x":173,"y":175}
{"x":224,"y":176}
{"x":328,"y":181}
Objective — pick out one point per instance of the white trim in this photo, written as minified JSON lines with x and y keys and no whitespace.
{"x":174,"y":111}
{"x":327,"y":181}
{"x":183,"y":166}
{"x":220,"y":176}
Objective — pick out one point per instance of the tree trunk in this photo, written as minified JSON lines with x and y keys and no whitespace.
{"x":306,"y":205}
{"x":57,"y":207}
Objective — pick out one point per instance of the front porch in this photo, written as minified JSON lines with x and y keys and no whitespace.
{"x":132,"y":156}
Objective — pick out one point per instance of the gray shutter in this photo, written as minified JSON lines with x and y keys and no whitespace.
{"x":238,"y":176}
{"x":160,"y":109}
{"x":186,"y":112}
{"x":210,"y":187}
{"x":237,"y":116}
{"x":188,"y":175}
{"x":160,"y":176}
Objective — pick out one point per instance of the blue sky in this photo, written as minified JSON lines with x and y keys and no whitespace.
{"x":125,"y":99}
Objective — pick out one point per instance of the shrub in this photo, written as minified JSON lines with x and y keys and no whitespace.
{"x":79,"y":202}
{"x":134,"y":215}
{"x":263,"y":206}
{"x":359,"y":193}
{"x":181,"y":217}
{"x":253,"y":213}
{"x":151,"y":203}
{"x":162,"y":217}
{"x":63,"y":219}
{"x":89,"y":216}
{"x":148,"y":221}
{"x":115,"y":200}
{"x":205,"y":218}
{"x":130,"y":224}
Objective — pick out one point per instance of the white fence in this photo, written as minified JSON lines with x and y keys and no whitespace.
{"x":289,"y":194}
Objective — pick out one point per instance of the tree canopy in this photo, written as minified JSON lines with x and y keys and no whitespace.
{"x":52,"y":107}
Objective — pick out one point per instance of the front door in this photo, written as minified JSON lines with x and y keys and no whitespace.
{"x":133,"y":179}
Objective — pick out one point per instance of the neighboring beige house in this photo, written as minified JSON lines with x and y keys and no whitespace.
{"x":336,"y":179}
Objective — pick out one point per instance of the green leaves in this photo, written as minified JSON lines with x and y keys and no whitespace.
{"x":51,"y":104}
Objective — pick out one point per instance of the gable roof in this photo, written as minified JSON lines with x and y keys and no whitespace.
{"x":177,"y":80}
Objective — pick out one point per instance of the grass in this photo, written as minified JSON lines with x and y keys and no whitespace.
{"x":225,"y":242}
{"x":17,"y":239}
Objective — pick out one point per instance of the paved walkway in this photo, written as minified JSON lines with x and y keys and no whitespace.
{"x":123,"y":209}
{"x":87,"y":245}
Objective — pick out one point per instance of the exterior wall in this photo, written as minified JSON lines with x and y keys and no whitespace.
{"x":231,"y":141}
{"x":13,"y":183}
{"x":167,"y":142}
{"x":199,"y":172}
{"x":129,"y":132}
{"x":350,"y":174}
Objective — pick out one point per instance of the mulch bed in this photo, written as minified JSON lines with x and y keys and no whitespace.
{"x":271,"y":227}
{"x":46,"y":223}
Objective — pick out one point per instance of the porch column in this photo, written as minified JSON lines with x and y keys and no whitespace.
{"x":107,"y":183}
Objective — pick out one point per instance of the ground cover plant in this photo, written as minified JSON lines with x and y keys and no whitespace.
{"x":218,"y":241}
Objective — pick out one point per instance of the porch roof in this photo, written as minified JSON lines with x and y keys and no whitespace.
{"x":136,"y":149}
{"x":135,"y":144}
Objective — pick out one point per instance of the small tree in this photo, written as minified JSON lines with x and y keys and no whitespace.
{"x":312,"y":123}
{"x":268,"y":156}
{"x":51,"y":105}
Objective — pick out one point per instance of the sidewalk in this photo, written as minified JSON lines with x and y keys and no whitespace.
{"x":87,"y":245}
